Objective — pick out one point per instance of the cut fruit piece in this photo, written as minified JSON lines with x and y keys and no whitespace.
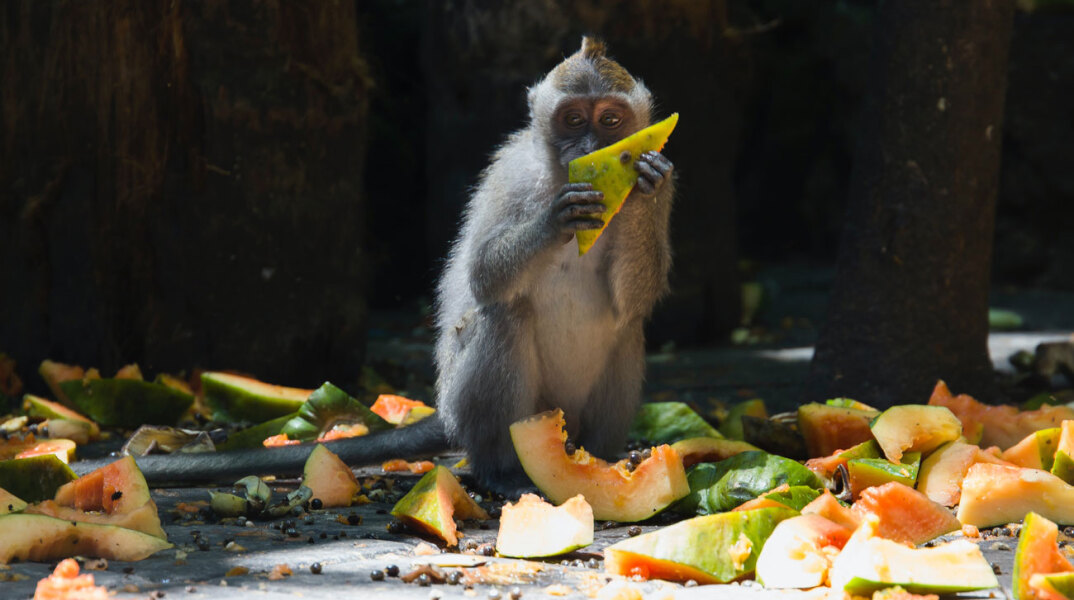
{"x":1003,"y":425}
{"x":1037,"y":554}
{"x":825,"y":466}
{"x":1053,"y":586}
{"x":914,"y":428}
{"x":10,"y":503}
{"x":615,"y":492}
{"x":61,"y":449}
{"x":115,"y":494}
{"x":828,"y":507}
{"x":327,"y":407}
{"x":329,"y":478}
{"x":864,"y":473}
{"x":795,"y":497}
{"x":433,"y":504}
{"x":709,"y":549}
{"x":707,"y":449}
{"x":731,"y":427}
{"x":848,"y":403}
{"x":799,"y":552}
{"x":533,"y":528}
{"x":36,"y":406}
{"x":55,"y":373}
{"x":611,"y":170}
{"x":1036,"y":450}
{"x":904,"y":514}
{"x":237,"y":398}
{"x":127,"y":402}
{"x":722,"y":486}
{"x":399,"y":410}
{"x":828,"y":429}
{"x":669,"y":422}
{"x":36,"y":478}
{"x":869,"y":563}
{"x":29,"y":537}
{"x":944,"y":470}
{"x":66,"y":584}
{"x":131,"y":371}
{"x":996,"y":494}
{"x":1063,"y":465}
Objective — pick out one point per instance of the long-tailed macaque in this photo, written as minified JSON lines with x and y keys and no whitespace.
{"x":524,"y":323}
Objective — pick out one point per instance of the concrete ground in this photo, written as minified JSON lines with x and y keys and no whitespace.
{"x":350,"y":549}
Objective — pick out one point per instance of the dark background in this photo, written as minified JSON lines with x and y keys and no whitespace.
{"x":236,"y":184}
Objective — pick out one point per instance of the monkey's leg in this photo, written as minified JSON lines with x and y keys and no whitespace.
{"x":494,"y":382}
{"x":611,"y":406}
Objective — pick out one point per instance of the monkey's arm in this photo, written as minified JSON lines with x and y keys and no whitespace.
{"x":639,"y":272}
{"x":422,"y":438}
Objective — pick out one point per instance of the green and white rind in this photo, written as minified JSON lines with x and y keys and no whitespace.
{"x":325,"y":407}
{"x":879,"y":471}
{"x":35,"y":478}
{"x":127,"y":402}
{"x":30,"y":537}
{"x":35,"y":406}
{"x":669,"y":422}
{"x":10,"y":503}
{"x":703,"y":542}
{"x":1063,"y":467}
{"x":231,"y":401}
{"x":865,"y":566}
{"x":893,"y":424}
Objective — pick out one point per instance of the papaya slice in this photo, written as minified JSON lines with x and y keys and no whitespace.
{"x":904,"y":514}
{"x":329,"y":478}
{"x":33,"y":537}
{"x":611,"y":170}
{"x":533,"y":528}
{"x":434,"y":502}
{"x":828,"y":429}
{"x":997,"y":494}
{"x":799,"y":552}
{"x":1037,"y":554}
{"x":1003,"y":425}
{"x":399,"y":410}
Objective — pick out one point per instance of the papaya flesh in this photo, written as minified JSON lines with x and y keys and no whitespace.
{"x":829,"y":429}
{"x":914,"y":428}
{"x":329,"y":478}
{"x":611,"y":171}
{"x":997,"y":494}
{"x":1003,"y":425}
{"x":904,"y":514}
{"x":434,"y":502}
{"x":533,"y":528}
{"x":799,"y":552}
{"x":1037,"y":553}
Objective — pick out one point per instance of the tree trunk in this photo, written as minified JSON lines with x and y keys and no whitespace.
{"x":180,"y":186}
{"x":910,"y":302}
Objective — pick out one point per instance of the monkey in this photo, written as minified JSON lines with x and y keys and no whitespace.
{"x":524,"y":324}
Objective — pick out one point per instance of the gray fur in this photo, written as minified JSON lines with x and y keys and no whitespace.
{"x":524,"y":323}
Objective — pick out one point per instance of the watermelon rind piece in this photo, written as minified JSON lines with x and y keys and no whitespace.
{"x":237,"y":398}
{"x":30,"y":537}
{"x":327,"y":406}
{"x":35,"y":478}
{"x":127,"y":402}
{"x":715,"y":548}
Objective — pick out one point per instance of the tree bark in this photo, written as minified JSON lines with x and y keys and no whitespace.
{"x":910,"y":302}
{"x":180,"y":186}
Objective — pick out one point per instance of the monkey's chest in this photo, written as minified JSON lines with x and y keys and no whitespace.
{"x":575,"y":327}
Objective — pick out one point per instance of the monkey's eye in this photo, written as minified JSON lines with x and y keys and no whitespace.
{"x":610,"y":119}
{"x":573,"y":120}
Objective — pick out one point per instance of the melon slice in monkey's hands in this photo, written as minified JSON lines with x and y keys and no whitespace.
{"x":611,"y":170}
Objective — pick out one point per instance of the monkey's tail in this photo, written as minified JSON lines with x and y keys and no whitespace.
{"x":420,"y":439}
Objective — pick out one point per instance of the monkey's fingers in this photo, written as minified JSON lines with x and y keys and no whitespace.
{"x":580,"y":186}
{"x":658,"y":161}
{"x":580,"y":198}
{"x":648,"y":177}
{"x":583,"y":224}
{"x":582,"y":211}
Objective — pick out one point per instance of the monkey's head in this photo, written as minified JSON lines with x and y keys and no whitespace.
{"x":587,"y":102}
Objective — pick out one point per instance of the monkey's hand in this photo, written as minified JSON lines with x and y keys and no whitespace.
{"x":654,"y":171}
{"x":577,"y":207}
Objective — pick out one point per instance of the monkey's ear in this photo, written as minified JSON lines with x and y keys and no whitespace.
{"x":592,"y":47}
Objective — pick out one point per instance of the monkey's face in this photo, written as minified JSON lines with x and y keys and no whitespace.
{"x":582,"y":124}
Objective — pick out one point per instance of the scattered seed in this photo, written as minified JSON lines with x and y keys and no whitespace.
{"x":515,"y":593}
{"x":316,"y":504}
{"x":424,"y":580}
{"x":315,"y":568}
{"x":494,"y":594}
{"x":454,"y":577}
{"x":354,"y":519}
{"x":593,"y":563}
{"x":691,"y":583}
{"x":633,"y":530}
{"x":392,"y":570}
{"x":377,"y":575}
{"x":996,"y":569}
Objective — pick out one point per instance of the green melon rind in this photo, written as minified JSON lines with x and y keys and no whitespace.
{"x":865,"y":566}
{"x":703,"y":542}
{"x":231,"y":401}
{"x":127,"y":402}
{"x":731,"y":428}
{"x":326,"y":406}
{"x":914,"y":428}
{"x":669,"y":422}
{"x":878,"y":471}
{"x":36,"y":406}
{"x":35,"y":478}
{"x":10,"y":503}
{"x":30,"y":537}
{"x":1063,"y":467}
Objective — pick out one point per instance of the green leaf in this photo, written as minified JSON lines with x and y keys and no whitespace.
{"x":719,"y":487}
{"x":669,"y":422}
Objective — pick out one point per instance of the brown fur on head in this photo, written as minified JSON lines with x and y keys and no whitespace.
{"x":588,"y":72}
